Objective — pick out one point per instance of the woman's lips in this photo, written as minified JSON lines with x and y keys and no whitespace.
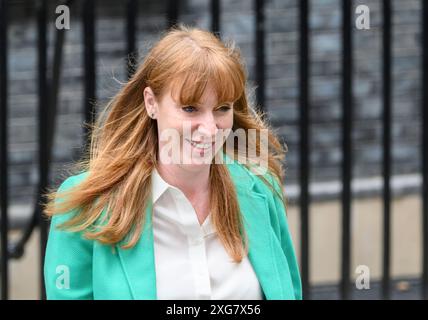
{"x":200,"y":145}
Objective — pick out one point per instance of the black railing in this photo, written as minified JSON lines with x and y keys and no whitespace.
{"x":48,"y":88}
{"x":386,"y":41}
{"x":260,"y":54}
{"x":131,"y":11}
{"x":215,"y":16}
{"x":88,"y":18}
{"x":172,"y":13}
{"x":4,"y":196}
{"x":304,"y":142}
{"x":424,"y":139}
{"x":43,"y":110}
{"x":347,"y":108}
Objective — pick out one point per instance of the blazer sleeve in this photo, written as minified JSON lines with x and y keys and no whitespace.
{"x":287,"y":243}
{"x":68,"y":258}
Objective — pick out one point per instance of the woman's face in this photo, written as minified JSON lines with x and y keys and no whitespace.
{"x":190,"y":135}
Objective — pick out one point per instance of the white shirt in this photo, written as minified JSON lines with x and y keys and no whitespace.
{"x":190,"y":260}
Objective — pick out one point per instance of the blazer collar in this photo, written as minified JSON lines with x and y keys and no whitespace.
{"x":255,"y":213}
{"x":139,"y":262}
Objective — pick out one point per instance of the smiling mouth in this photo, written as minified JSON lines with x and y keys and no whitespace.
{"x":199,"y":145}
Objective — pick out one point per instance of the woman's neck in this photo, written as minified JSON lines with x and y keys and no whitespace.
{"x":189,"y":180}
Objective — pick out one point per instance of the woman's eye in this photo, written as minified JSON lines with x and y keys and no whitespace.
{"x":189,"y":109}
{"x":224,"y":108}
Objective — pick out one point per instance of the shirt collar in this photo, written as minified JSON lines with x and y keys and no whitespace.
{"x":159,"y":185}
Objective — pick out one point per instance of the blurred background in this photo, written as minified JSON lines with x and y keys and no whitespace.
{"x":344,"y":83}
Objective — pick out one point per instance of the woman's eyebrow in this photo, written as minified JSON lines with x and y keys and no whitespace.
{"x":202,"y":105}
{"x":225,"y":102}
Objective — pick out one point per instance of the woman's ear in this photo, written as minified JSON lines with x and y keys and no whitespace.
{"x":150,"y":102}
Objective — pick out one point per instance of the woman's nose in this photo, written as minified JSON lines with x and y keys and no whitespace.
{"x":208,"y":127}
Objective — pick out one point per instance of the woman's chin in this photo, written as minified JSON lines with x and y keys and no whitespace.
{"x":198,"y":160}
{"x":200,"y":157}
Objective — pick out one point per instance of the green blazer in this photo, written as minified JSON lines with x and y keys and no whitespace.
{"x":77,"y":268}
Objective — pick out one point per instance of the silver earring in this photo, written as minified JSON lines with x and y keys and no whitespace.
{"x":152,"y":115}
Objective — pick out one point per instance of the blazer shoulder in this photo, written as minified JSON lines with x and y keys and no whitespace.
{"x":73,"y":180}
{"x":247,"y":178}
{"x":67,"y":184}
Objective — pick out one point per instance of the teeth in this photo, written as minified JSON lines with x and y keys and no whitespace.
{"x":200,"y":145}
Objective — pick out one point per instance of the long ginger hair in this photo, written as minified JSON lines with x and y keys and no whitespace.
{"x":124,"y":142}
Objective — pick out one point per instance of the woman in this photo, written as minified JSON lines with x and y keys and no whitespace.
{"x":146,"y":217}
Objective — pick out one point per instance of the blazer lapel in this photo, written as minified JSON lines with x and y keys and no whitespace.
{"x":260,"y":251}
{"x":138,"y":263}
{"x":254,"y":210}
